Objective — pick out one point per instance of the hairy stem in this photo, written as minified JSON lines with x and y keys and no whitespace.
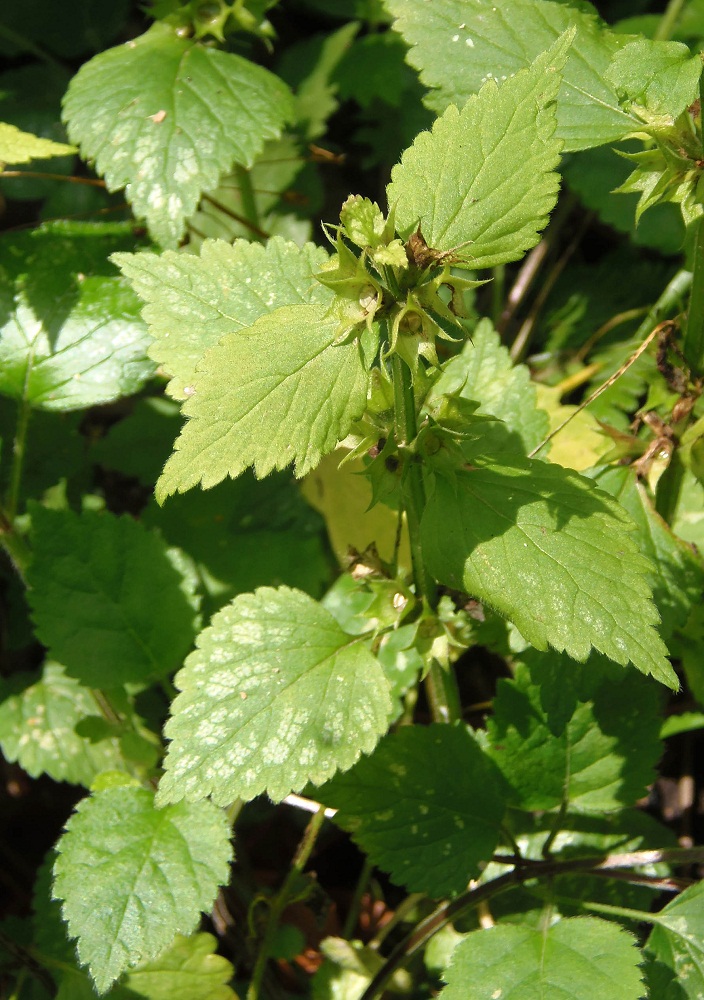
{"x":440,"y":685}
{"x":279,"y":905}
{"x":693,"y":347}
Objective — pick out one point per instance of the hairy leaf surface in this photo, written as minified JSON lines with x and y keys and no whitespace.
{"x":484,"y":372}
{"x":70,"y":331}
{"x":188,"y":968}
{"x":459,"y":44}
{"x":576,"y":959}
{"x":17,"y":146}
{"x":553,"y":555}
{"x":662,"y":76}
{"x":677,"y":572}
{"x":427,"y":824}
{"x":106,"y":599}
{"x":131,"y":876}
{"x":38,"y":730}
{"x":677,"y":940}
{"x":281,"y":391}
{"x":604,"y":758}
{"x":493,"y":169}
{"x":193,"y":301}
{"x":165,"y":117}
{"x":275,"y":696}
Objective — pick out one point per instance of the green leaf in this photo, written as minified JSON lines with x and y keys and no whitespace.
{"x":552,"y":554}
{"x":106,"y":598}
{"x":278,"y":392}
{"x":593,"y":176}
{"x":21,"y":147}
{"x":70,"y":331}
{"x":246,"y":534}
{"x":167,"y":117}
{"x":428,"y":824}
{"x":484,"y":372}
{"x":131,"y":876}
{"x":308,"y":67}
{"x":677,"y":940}
{"x":576,"y":959}
{"x":603,"y":759}
{"x":188,"y":968}
{"x":193,"y":301}
{"x":661,"y":76}
{"x":458,"y":46}
{"x":38,"y":729}
{"x":677,"y":573}
{"x":275,"y":696}
{"x":494,"y":168}
{"x":282,"y":192}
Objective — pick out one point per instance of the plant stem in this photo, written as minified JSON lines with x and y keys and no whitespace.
{"x":674,"y":291}
{"x":27,"y":45}
{"x":18,"y":449}
{"x":249,"y":201}
{"x":693,"y":346}
{"x":353,"y":911}
{"x":554,"y":829}
{"x":440,"y":685}
{"x":524,"y":871}
{"x":641,"y":916}
{"x":497,"y":293}
{"x":413,"y":488}
{"x":15,"y":547}
{"x":668,"y":20}
{"x":278,"y":906}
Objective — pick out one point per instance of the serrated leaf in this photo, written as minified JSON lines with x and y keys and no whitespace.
{"x":457,"y":45}
{"x":484,"y":372}
{"x":281,"y":391}
{"x":549,"y":552}
{"x":70,"y":331}
{"x":603,"y":759}
{"x":188,"y":968}
{"x":246,"y":534}
{"x":593,"y":176}
{"x":38,"y":730}
{"x":193,"y":301}
{"x":275,"y":696}
{"x":17,"y":146}
{"x":577,"y":959}
{"x":661,"y":76}
{"x":429,"y":825}
{"x":677,"y":574}
{"x":494,"y":168}
{"x":165,"y":117}
{"x":131,"y":876}
{"x":677,"y":940}
{"x":106,"y":599}
{"x":286,"y":190}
